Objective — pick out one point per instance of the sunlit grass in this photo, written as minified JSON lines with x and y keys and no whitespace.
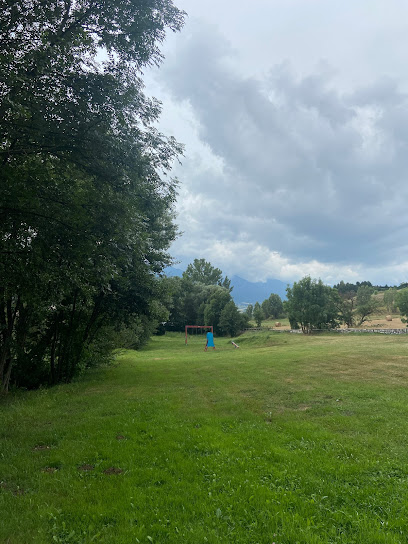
{"x":287,"y":439}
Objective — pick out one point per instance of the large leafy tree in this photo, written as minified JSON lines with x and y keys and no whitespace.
{"x":312,"y":305}
{"x":213,"y":308}
{"x":366,"y":304}
{"x":202,"y":271}
{"x":84,"y":202}
{"x":276,"y":305}
{"x":187,"y":303}
{"x":200,"y":297}
{"x":272,"y":306}
{"x":346,"y":309}
{"x":232,"y":321}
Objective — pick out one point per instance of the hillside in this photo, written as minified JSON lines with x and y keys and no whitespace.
{"x":248,"y":292}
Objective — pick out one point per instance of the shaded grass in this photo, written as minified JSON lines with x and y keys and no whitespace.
{"x":288,"y":439}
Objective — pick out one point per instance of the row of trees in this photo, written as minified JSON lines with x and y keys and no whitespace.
{"x":272,"y":307}
{"x":202,"y":296}
{"x":349,"y":291}
{"x":346,"y":286}
{"x":86,"y":205}
{"x":312,"y":305}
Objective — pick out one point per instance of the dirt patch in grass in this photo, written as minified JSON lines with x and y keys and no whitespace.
{"x":16,"y":491}
{"x":42,"y":447}
{"x":303,"y":407}
{"x":113,"y":470}
{"x":86,"y":467}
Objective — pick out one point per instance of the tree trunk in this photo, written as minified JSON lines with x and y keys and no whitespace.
{"x":8,"y":315}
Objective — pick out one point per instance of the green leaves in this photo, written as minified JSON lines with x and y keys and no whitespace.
{"x":203,"y":297}
{"x":85,"y":210}
{"x":365,"y":303}
{"x":312,"y":305}
{"x":258,"y":314}
{"x":203,"y":272}
{"x":231,"y":320}
{"x":401,"y":301}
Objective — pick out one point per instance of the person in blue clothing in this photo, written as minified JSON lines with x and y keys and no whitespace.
{"x":210,"y":341}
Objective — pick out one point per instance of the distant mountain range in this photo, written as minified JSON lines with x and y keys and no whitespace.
{"x":170,"y":272}
{"x":246,"y":292}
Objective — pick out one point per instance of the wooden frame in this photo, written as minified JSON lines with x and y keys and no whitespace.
{"x":198,"y":327}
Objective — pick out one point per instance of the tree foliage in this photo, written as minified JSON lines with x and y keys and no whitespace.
{"x":365,"y":303}
{"x":266,"y":309}
{"x":202,"y":271}
{"x":218,"y":299}
{"x":275,"y":305}
{"x":249,"y":311}
{"x":346,"y":310}
{"x":232,"y":320}
{"x":272,"y":306}
{"x":401,"y":301}
{"x":389,"y":299}
{"x":258,"y":314}
{"x":200,"y":296}
{"x":346,"y":304}
{"x":312,"y":305}
{"x":85,"y":209}
{"x":347,"y":288}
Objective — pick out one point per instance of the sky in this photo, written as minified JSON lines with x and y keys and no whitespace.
{"x":294,"y":117}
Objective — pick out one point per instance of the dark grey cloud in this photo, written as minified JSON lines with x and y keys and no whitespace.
{"x":308,"y":171}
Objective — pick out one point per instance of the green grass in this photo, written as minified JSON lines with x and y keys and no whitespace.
{"x":290,"y":439}
{"x":271,"y":323}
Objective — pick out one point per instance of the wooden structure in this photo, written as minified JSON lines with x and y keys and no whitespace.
{"x":210,"y":327}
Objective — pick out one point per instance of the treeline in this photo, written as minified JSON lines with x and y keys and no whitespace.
{"x":343,"y":287}
{"x":202,"y":296}
{"x":312,"y":305}
{"x":85,"y":204}
{"x":270,"y":307}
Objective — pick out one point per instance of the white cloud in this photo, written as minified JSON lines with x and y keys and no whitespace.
{"x":288,"y":172}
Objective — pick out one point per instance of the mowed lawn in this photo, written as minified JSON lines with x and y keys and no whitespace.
{"x":288,"y":439}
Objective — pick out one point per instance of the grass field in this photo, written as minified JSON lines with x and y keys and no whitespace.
{"x":289,"y":439}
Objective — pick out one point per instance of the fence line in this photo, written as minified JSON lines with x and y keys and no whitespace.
{"x":340,"y":331}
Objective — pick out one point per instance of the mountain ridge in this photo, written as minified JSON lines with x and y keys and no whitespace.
{"x":246,"y":292}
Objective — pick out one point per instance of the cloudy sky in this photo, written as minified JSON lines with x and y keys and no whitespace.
{"x":294,"y":116}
